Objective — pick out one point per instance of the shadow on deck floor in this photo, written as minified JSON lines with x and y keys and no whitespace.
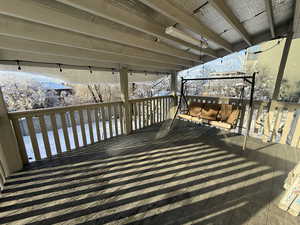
{"x":195,"y":175}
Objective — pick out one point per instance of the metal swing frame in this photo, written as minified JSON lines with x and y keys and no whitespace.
{"x":247,"y":79}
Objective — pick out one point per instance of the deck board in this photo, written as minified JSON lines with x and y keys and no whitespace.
{"x":194,"y":175}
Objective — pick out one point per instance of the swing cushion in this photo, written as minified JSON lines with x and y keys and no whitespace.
{"x":195,"y":109}
{"x":233,"y":116}
{"x":210,"y":111}
{"x":225,"y":112}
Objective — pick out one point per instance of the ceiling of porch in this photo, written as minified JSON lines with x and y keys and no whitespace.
{"x":109,"y":34}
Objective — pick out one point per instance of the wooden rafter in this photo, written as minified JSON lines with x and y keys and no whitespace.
{"x":227,"y":14}
{"x":111,"y":12}
{"x":189,"y":21}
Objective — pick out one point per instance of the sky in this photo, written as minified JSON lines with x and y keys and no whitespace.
{"x":232,"y":62}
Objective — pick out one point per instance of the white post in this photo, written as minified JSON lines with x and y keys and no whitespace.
{"x":173,"y":84}
{"x":125,"y":99}
{"x":271,"y":107}
{"x":10,"y":158}
{"x":282,"y":66}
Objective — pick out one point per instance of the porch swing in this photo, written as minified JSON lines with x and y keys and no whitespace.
{"x":222,"y":116}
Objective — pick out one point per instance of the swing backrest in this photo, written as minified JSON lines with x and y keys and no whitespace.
{"x":195,"y":108}
{"x":225,"y":112}
{"x":215,"y":112}
{"x":234,"y":116}
{"x":210,"y":111}
{"x":229,"y":114}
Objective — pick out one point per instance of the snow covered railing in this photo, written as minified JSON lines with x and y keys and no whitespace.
{"x":44,"y":133}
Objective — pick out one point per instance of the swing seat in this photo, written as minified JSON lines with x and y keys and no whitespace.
{"x":223,"y":116}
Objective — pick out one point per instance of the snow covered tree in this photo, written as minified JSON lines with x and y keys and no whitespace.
{"x":21,"y":93}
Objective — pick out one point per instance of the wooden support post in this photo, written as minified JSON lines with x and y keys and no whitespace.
{"x":276,"y":92}
{"x":283,"y":62}
{"x":10,"y":158}
{"x":127,"y":119}
{"x":173,"y":86}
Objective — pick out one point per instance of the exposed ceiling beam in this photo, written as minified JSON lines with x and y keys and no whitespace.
{"x":269,"y":9}
{"x":185,"y":19}
{"x":296,"y":22}
{"x":108,"y":10}
{"x":15,"y":27}
{"x":57,"y":50}
{"x":38,"y":13}
{"x":221,"y":7}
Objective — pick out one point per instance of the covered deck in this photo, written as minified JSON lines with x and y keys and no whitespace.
{"x":194,"y":175}
{"x":114,"y":162}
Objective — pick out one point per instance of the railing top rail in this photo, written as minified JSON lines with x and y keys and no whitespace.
{"x":286,"y":104}
{"x":145,"y":99}
{"x":255,"y":102}
{"x":36,"y":112}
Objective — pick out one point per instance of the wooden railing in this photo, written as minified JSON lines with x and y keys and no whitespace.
{"x":44,"y":133}
{"x":277,"y":122}
{"x":149,"y":111}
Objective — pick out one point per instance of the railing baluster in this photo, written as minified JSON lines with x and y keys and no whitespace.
{"x":296,"y":136}
{"x":35,"y":146}
{"x":55,"y":133}
{"x":82,"y":126}
{"x":277,"y":122}
{"x":103,"y":119}
{"x":158,"y":110}
{"x":109,"y":121}
{"x":22,"y":149}
{"x":287,"y":125}
{"x":143,"y":112}
{"x":169,"y":102}
{"x":116,"y":119}
{"x":140,"y":114}
{"x":44,"y":132}
{"x":165,"y":108}
{"x":74,"y":129}
{"x":162,"y":109}
{"x":121,"y":117}
{"x":152,"y":107}
{"x":65,"y":130}
{"x":135,"y":115}
{"x":90,"y":126}
{"x":96,"y":111}
{"x":147,"y":111}
{"x":258,"y":117}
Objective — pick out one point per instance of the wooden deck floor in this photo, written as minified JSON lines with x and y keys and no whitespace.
{"x":192,"y":176}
